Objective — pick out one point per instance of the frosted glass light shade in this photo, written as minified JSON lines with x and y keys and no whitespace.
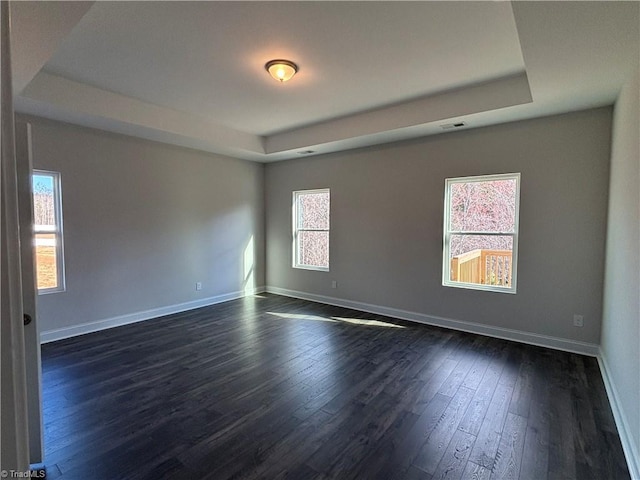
{"x":281,"y":70}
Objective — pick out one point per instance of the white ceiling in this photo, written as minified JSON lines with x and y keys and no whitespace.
{"x":192,"y":73}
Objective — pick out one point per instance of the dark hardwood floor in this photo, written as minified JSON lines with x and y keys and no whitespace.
{"x":270,"y":387}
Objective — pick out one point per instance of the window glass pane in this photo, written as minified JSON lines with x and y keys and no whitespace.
{"x":486,"y":206}
{"x":44,"y":203}
{"x":48,"y":231}
{"x":313,"y":211}
{"x":46,"y":260}
{"x":482,"y":259}
{"x":313,"y":249}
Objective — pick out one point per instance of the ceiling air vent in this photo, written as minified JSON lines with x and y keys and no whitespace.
{"x":449,"y":126}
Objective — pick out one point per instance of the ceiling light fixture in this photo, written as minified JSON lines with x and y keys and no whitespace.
{"x":281,"y":70}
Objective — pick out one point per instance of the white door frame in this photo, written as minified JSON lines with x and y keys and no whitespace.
{"x":24,"y":161}
{"x":14,"y":446}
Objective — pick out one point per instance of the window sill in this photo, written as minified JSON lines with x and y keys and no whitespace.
{"x":476,"y":286}
{"x":311,"y":267}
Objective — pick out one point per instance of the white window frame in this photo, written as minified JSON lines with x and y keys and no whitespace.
{"x":295,"y":216}
{"x":446,"y":261}
{"x":57,"y":230}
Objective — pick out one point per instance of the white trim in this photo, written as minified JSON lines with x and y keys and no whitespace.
{"x":447,"y":233}
{"x":311,"y":267}
{"x":57,"y":229}
{"x":556,"y":343}
{"x":590,"y":349}
{"x":629,"y":447}
{"x":83,"y":328}
{"x":295,"y":220}
{"x":631,"y":451}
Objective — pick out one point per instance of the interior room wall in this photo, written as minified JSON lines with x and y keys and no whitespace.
{"x":143,"y":222}
{"x":620,"y":342}
{"x":387,"y":221}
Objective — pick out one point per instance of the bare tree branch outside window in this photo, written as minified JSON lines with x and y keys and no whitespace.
{"x":312,"y":211}
{"x":480,"y":230}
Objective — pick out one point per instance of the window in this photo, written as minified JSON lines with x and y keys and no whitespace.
{"x":481,"y":232}
{"x":311,"y":229}
{"x":47,"y":216}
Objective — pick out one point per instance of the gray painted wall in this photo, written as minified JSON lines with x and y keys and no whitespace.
{"x":144,"y":221}
{"x":621,"y":315}
{"x":386,"y":223}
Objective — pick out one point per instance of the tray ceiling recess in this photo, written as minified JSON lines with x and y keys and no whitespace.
{"x":193,"y":73}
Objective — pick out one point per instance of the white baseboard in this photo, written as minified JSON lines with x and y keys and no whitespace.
{"x":590,"y":349}
{"x":631,"y":451}
{"x":89,"y":327}
{"x":583,"y":348}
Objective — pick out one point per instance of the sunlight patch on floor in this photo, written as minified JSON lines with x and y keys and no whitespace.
{"x":299,"y":316}
{"x":369,"y":323}
{"x":352,"y":321}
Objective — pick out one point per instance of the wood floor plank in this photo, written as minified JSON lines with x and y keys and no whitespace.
{"x":610,"y":454}
{"x":522,"y":391}
{"x":509,"y":455}
{"x":474,"y":471}
{"x":335,"y":459}
{"x":435,"y":381}
{"x":271,"y":387}
{"x":486,"y":445}
{"x":385,"y":459}
{"x":474,"y":416}
{"x":414,"y":473}
{"x":562,"y":454}
{"x":410,"y":443}
{"x":535,"y":458}
{"x":437,"y":443}
{"x":454,"y":460}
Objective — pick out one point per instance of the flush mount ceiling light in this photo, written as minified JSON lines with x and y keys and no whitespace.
{"x":281,"y":70}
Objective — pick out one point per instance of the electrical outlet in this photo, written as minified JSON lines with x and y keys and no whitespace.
{"x":198,"y":286}
{"x":334,"y":284}
{"x":578,"y":321}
